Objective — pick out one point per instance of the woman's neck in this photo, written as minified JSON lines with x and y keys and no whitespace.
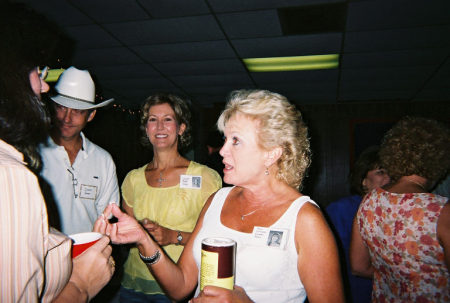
{"x":410,"y":184}
{"x":166,"y":159}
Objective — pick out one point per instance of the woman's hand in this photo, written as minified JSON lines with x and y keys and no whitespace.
{"x":126,"y":230}
{"x":220,"y":295}
{"x":160,"y":234}
{"x":93,"y":268}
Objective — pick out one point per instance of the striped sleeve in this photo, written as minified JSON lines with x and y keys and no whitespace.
{"x":23,"y":227}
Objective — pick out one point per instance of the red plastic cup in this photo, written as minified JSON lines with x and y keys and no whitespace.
{"x":83,"y":241}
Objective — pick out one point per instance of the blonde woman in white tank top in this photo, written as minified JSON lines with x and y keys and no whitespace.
{"x":266,"y":154}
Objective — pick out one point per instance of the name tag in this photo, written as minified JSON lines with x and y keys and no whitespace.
{"x":88,"y":192}
{"x":189,"y":181}
{"x":272,"y":237}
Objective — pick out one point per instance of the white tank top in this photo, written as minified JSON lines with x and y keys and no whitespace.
{"x":267,"y":271}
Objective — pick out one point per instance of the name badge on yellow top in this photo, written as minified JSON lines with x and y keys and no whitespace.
{"x":189,"y":181}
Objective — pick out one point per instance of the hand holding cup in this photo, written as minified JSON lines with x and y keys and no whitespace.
{"x":93,"y":268}
{"x":83,"y":241}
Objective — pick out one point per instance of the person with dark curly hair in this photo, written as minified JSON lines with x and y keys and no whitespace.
{"x":366,"y":175}
{"x":165,"y":195}
{"x":401,"y":234}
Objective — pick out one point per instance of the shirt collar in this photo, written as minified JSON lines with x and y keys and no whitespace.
{"x":11,"y":151}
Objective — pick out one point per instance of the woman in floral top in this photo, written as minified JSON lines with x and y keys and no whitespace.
{"x":401,"y":234}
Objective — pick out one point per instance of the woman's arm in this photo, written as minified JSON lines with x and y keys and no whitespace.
{"x":318,"y":260}
{"x":178,"y":280}
{"x":443,"y":232}
{"x":165,"y":236}
{"x":359,"y":253}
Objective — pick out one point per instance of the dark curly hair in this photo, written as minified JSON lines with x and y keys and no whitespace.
{"x":182,"y":116}
{"x":28,"y":40}
{"x":368,"y":160}
{"x":417,"y":146}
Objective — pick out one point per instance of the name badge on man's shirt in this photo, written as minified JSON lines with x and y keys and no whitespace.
{"x":88,"y":192}
{"x":189,"y":181}
{"x":272,"y":237}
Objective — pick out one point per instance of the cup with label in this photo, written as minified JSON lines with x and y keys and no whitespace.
{"x":83,"y":241}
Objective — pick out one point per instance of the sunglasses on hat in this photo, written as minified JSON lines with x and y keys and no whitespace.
{"x":42,"y":72}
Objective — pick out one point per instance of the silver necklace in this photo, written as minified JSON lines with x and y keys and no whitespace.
{"x":160,"y":179}
{"x":252,"y":212}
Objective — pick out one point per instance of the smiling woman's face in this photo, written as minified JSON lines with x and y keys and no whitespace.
{"x":162,"y":128}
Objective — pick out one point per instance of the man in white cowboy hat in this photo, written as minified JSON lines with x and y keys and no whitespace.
{"x":81,"y":174}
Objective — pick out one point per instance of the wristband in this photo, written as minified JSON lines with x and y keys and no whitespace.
{"x":152,"y":259}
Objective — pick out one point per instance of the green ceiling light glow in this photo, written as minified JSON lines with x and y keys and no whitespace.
{"x":278,"y":64}
{"x":53,"y":74}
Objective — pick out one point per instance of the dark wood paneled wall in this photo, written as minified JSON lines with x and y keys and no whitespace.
{"x":333,"y":141}
{"x":332,"y":132}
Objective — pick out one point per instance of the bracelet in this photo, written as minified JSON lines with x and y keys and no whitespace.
{"x":152,"y":259}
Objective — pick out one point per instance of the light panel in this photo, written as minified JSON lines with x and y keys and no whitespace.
{"x":277,"y":64}
{"x":53,"y":75}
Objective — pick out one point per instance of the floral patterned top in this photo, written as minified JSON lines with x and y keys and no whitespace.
{"x":400,"y":233}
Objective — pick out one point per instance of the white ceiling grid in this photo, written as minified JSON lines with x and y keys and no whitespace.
{"x":390,"y":50}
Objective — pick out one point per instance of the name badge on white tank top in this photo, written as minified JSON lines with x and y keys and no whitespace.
{"x":272,"y":237}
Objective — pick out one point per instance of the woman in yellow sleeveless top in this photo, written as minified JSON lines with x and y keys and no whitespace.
{"x":165,"y":195}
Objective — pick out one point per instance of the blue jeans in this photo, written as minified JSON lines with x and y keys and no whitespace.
{"x":131,"y":296}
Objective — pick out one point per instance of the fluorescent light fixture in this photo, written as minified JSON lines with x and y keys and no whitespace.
{"x":278,"y":64}
{"x":53,"y":74}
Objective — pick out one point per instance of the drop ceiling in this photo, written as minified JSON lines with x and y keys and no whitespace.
{"x":389,"y":50}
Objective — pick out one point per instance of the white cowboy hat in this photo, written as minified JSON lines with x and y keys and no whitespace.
{"x":76,"y":90}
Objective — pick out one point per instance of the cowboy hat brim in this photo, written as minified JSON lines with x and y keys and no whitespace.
{"x":78,"y":104}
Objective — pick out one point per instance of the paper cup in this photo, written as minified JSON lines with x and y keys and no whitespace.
{"x":83,"y":241}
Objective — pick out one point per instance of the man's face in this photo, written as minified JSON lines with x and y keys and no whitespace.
{"x":71,"y":122}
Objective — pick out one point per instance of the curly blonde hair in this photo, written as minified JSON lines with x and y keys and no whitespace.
{"x":280,"y":125}
{"x":416,"y":146}
{"x":182,"y":116}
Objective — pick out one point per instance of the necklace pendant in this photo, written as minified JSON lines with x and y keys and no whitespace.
{"x":242,"y":218}
{"x":161,"y":179}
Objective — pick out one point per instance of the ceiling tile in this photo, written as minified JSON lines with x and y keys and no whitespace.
{"x":316,"y":44}
{"x":91,"y":36}
{"x":186,"y":51}
{"x":377,"y":95}
{"x":174,"y":8}
{"x":373,"y":15}
{"x":200,"y":28}
{"x":239,"y":5}
{"x":241,"y":79}
{"x":225,"y":66}
{"x":131,"y":71}
{"x":60,"y":11}
{"x":297,"y":77}
{"x":394,"y":58}
{"x":110,"y":11}
{"x":397,"y":39}
{"x":263,"y":23}
{"x":105,"y":56}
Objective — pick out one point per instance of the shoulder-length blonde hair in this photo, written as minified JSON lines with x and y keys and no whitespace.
{"x":280,"y":125}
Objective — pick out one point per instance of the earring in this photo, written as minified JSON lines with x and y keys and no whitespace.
{"x":266,"y":172}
